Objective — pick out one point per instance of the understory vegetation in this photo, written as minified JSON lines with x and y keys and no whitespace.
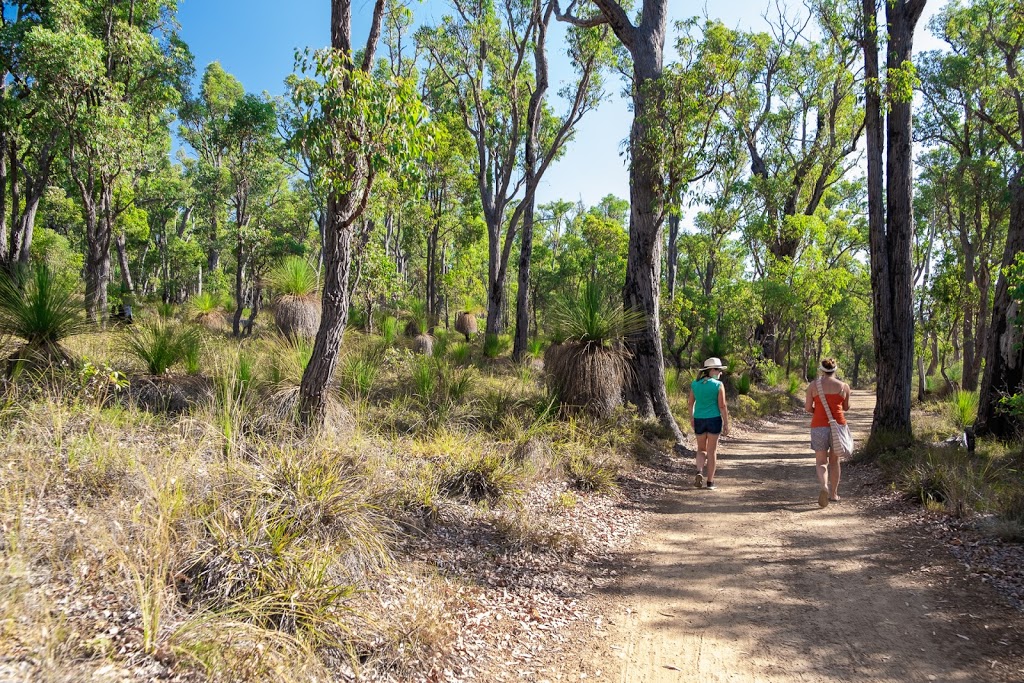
{"x":201,"y":531}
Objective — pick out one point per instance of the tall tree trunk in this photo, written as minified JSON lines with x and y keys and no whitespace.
{"x":533,"y":118}
{"x":672,"y":264}
{"x":970,"y":376}
{"x":3,"y":188}
{"x":337,"y":297}
{"x":642,"y":289}
{"x":97,"y":257}
{"x":1004,"y":359}
{"x":241,"y":260}
{"x":127,"y":286}
{"x":342,"y":211}
{"x":891,"y":235}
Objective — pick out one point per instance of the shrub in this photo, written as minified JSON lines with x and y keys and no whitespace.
{"x":389,"y":329}
{"x":460,"y":353}
{"x":496,"y":345}
{"x":589,"y":369}
{"x":535,"y":347}
{"x":963,"y":408}
{"x":423,"y":378}
{"x":794,"y":385}
{"x":478,"y":477}
{"x":586,"y":474}
{"x":165,"y":310}
{"x":297,"y":310}
{"x":205,"y":310}
{"x":40,"y":307}
{"x":418,"y":321}
{"x":358,"y":375}
{"x":161,"y":346}
{"x":743,"y":384}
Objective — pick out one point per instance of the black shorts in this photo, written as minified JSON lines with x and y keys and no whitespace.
{"x":707,"y":425}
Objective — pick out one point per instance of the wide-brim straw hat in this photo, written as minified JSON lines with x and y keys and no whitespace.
{"x":713,"y":364}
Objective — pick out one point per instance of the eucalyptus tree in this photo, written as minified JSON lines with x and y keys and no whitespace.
{"x":255,"y":179}
{"x":792,"y":101}
{"x":205,"y":118}
{"x":652,"y":173}
{"x":969,"y":167}
{"x":33,"y":62}
{"x":891,"y":225}
{"x":118,"y":66}
{"x":355,"y":124}
{"x":991,"y":32}
{"x":547,"y":133}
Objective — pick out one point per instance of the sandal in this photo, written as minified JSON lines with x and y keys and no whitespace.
{"x":823,"y":498}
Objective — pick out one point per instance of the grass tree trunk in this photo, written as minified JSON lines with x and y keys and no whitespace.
{"x":1004,"y":359}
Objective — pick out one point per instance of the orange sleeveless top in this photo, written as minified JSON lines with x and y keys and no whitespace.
{"x":835,"y":402}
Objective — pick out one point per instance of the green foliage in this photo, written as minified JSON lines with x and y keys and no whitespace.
{"x":358,"y":375}
{"x":594,"y":318}
{"x":794,"y":385}
{"x":963,"y":408}
{"x":587,"y":474}
{"x":460,"y":353}
{"x":389,"y":330}
{"x":496,"y":345}
{"x":40,"y":307}
{"x":161,"y":346}
{"x":293,"y":276}
{"x":743,"y":384}
{"x":478,"y":477}
{"x":205,"y":303}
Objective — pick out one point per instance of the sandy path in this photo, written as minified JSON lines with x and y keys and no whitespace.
{"x":754,"y":582}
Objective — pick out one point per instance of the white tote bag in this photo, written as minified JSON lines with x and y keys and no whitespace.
{"x":842,"y":440}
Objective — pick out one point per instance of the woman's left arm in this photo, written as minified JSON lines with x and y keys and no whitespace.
{"x":723,"y":408}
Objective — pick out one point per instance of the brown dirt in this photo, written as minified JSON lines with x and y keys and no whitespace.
{"x":754,"y":582}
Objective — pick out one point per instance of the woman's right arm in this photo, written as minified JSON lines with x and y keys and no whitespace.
{"x":809,"y":400}
{"x":846,"y":396}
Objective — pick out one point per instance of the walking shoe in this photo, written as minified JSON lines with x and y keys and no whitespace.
{"x":823,"y":498}
{"x":711,"y":485}
{"x":698,"y":481}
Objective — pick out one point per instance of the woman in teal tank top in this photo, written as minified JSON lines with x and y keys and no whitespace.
{"x":710,"y":416}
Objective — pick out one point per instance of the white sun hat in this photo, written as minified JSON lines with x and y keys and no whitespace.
{"x":713,"y":364}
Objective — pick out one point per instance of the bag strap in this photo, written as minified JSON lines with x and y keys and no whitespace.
{"x":824,"y":401}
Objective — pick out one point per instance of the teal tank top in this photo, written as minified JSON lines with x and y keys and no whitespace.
{"x":705,"y":394}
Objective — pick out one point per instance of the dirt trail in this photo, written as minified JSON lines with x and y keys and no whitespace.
{"x":754,"y":582}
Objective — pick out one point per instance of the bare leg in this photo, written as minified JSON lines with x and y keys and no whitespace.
{"x":712,"y":455}
{"x":702,"y":456}
{"x":821,"y":469}
{"x":833,"y":475}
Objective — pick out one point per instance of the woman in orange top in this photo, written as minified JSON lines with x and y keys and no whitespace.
{"x":837,"y":393}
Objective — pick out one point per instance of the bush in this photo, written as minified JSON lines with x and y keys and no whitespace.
{"x":389,"y":330}
{"x":963,"y":408}
{"x":460,"y":353}
{"x":40,"y":307}
{"x":794,"y":385}
{"x":743,"y":384}
{"x":161,"y":346}
{"x":358,"y":375}
{"x":586,"y":474}
{"x":478,"y":477}
{"x":496,"y":345}
{"x":293,"y":276}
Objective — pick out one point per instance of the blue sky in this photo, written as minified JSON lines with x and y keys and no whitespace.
{"x":256,"y":41}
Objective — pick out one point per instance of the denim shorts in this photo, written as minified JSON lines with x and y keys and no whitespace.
{"x":707,"y":425}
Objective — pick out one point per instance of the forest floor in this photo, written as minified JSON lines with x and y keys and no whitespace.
{"x":754,"y":582}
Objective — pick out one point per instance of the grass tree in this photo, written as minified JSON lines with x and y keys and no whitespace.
{"x":589,"y":366}
{"x":297,"y":312}
{"x":358,"y":123}
{"x":41,"y":308}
